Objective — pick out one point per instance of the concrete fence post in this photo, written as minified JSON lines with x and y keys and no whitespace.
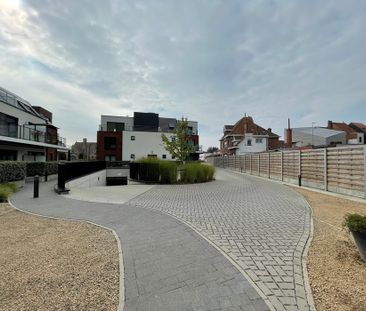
{"x":269,"y":165}
{"x":325,"y":169}
{"x":281,"y":165}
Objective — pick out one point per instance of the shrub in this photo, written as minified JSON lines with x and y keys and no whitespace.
{"x":35,"y":168}
{"x":356,"y":223}
{"x":51,"y":167}
{"x":6,"y":190}
{"x":196,"y":172}
{"x":168,"y":172}
{"x":12,"y":171}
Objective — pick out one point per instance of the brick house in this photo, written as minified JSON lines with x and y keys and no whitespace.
{"x":245,"y":136}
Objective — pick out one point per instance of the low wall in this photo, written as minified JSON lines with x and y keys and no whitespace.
{"x":118,"y":172}
{"x":91,"y":180}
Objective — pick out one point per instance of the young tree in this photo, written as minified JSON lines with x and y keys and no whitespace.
{"x":179,"y":147}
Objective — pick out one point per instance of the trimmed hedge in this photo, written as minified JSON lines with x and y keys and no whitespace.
{"x":6,"y":190}
{"x":12,"y":171}
{"x":41,"y":168}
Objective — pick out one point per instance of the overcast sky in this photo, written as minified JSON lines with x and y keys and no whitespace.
{"x":211,"y":61}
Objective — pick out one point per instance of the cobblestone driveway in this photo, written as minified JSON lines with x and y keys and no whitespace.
{"x":262,"y":226}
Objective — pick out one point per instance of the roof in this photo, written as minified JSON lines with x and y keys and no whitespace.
{"x":358,"y":126}
{"x":18,"y":102}
{"x":247,"y":125}
{"x":341,"y":126}
{"x":317,"y":131}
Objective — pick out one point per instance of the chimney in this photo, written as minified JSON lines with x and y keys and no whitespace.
{"x":330,"y":124}
{"x":288,"y":135}
{"x":269,"y":130}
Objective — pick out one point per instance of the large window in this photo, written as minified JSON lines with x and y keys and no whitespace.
{"x":8,"y":125}
{"x":110,"y":143}
{"x":115,"y":126}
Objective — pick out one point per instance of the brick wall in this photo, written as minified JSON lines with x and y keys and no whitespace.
{"x":101,"y":152}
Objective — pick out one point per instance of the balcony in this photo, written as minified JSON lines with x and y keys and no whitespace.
{"x":33,"y":133}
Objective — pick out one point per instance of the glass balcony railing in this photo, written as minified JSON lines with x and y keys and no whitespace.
{"x":31,"y":133}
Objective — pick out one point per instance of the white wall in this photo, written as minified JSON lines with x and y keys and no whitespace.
{"x":255,"y":146}
{"x":128,"y":121}
{"x":23,"y":117}
{"x":357,"y":141}
{"x":91,"y":180}
{"x":145,"y":143}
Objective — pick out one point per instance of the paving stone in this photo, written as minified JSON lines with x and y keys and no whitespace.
{"x":261,"y":225}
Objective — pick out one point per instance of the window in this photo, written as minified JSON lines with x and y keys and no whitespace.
{"x":259,"y":140}
{"x":109,"y":158}
{"x":164,"y":156}
{"x":173,"y":157}
{"x":173,"y":138}
{"x":132,"y":137}
{"x":8,"y":125}
{"x":115,"y":126}
{"x":110,"y":143}
{"x":249,"y":142}
{"x":360,"y":139}
{"x":132,"y":156}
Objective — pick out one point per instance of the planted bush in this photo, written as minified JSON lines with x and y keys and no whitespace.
{"x":196,"y":172}
{"x":355,"y":223}
{"x":6,"y":190}
{"x":12,"y":171}
{"x":35,"y":168}
{"x":51,"y":167}
{"x":41,"y":168}
{"x":168,"y":172}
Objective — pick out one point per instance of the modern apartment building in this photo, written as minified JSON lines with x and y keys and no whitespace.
{"x":27,"y":132}
{"x":247,"y":137}
{"x":128,"y":138}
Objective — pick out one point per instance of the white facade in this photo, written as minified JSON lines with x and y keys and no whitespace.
{"x":136,"y":145}
{"x":24,"y":137}
{"x":317,"y":136}
{"x":360,"y":140}
{"x":252,"y":143}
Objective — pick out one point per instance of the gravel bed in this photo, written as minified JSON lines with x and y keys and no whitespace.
{"x":337,"y":273}
{"x":50,"y":264}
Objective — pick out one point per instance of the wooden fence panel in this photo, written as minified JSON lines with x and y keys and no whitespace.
{"x":346,"y":172}
{"x":264,"y":164}
{"x":255,"y":164}
{"x":312,"y":168}
{"x":275,"y":165}
{"x":291,"y":165}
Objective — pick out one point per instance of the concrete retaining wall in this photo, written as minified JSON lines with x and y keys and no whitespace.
{"x":91,"y":180}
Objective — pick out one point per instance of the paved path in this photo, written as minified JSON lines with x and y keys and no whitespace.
{"x":263,"y":226}
{"x":167,"y":265}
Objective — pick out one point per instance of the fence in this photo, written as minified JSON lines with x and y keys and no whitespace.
{"x":71,"y":170}
{"x":340,"y":170}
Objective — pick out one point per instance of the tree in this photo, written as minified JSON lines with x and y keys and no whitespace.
{"x":212,"y":149}
{"x":179,"y":146}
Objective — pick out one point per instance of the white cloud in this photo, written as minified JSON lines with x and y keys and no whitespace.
{"x":211,"y":61}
